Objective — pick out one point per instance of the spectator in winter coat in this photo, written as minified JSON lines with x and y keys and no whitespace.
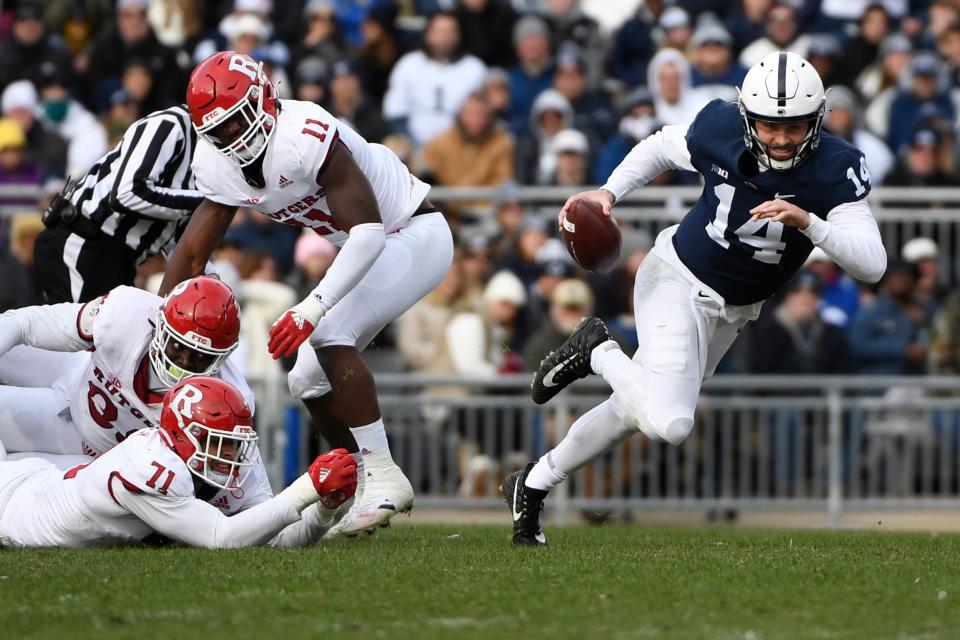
{"x":428,"y":86}
{"x":592,"y":113}
{"x":638,"y":120}
{"x":29,"y":46}
{"x":14,"y":169}
{"x":475,"y":152}
{"x":891,"y":336}
{"x":133,"y":38}
{"x":715,"y":71}
{"x":860,"y":51}
{"x":45,"y":147}
{"x":922,"y":163}
{"x":487,"y":27}
{"x":534,"y":69}
{"x":795,"y":338}
{"x":925,"y":84}
{"x":321,"y":33}
{"x":348,"y":102}
{"x":86,"y":138}
{"x":550,"y":114}
{"x":843,"y":120}
{"x":782,"y":33}
{"x":632,"y":49}
{"x":668,"y":78}
{"x":568,"y":24}
{"x":746,"y":22}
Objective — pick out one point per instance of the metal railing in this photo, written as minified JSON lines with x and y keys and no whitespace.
{"x":902,"y":212}
{"x":831,"y":443}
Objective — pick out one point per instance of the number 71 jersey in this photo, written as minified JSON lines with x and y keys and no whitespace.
{"x":747,"y":261}
{"x":299,"y":149}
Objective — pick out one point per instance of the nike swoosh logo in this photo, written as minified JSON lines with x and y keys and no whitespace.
{"x":778,"y":196}
{"x":548,"y":379}
{"x":513,"y":508}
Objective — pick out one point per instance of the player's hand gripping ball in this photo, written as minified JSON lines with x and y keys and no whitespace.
{"x":591,"y":237}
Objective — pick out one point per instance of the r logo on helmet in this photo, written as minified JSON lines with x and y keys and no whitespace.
{"x":244,"y":65}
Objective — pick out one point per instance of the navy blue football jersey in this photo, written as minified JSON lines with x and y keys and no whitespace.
{"x":747,"y":261}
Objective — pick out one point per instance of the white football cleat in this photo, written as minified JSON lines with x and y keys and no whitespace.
{"x":386,"y":492}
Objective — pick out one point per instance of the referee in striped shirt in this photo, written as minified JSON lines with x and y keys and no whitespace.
{"x":132,"y":204}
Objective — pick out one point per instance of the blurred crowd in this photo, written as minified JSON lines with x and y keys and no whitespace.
{"x":501,"y":93}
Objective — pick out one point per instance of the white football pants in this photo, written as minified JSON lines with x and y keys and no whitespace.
{"x":414,"y":261}
{"x":682,"y":334}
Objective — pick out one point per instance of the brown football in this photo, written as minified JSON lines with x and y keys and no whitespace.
{"x":592,"y":238}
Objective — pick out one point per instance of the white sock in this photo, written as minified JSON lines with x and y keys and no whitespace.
{"x":594,"y":433}
{"x":371,"y":437}
{"x":361,"y":473}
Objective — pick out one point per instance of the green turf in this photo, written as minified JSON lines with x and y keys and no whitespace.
{"x":467,"y":582}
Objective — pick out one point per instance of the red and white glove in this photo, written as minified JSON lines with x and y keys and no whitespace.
{"x":334,"y":476}
{"x":295,"y":326}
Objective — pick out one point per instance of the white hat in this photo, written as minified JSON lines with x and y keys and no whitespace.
{"x":256,"y":6}
{"x":571,"y":141}
{"x":505,"y":287}
{"x":248,"y":23}
{"x":19,"y":94}
{"x":125,"y":4}
{"x":918,"y":249}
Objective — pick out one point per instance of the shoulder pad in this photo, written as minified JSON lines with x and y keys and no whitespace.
{"x":149,"y":466}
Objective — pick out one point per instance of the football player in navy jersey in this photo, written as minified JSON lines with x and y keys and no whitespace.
{"x":775,"y":186}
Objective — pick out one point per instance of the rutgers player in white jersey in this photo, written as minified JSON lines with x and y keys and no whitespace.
{"x":297,"y":164}
{"x":140,"y":346}
{"x":169,"y":481}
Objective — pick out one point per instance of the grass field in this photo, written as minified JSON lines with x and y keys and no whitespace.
{"x":428,"y":582}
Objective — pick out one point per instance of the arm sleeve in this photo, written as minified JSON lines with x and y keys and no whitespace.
{"x":199,"y":524}
{"x":145,"y":154}
{"x":359,"y":252}
{"x":56,"y":327}
{"x":851,"y":238}
{"x":664,"y":150}
{"x":314,"y":522}
{"x":466,"y":332}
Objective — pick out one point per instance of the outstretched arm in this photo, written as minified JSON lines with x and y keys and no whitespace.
{"x":56,"y":327}
{"x":202,"y":235}
{"x":664,"y":150}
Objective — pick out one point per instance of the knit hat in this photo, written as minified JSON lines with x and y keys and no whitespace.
{"x":19,"y":94}
{"x":529,"y":25}
{"x":505,"y":287}
{"x":11,"y":134}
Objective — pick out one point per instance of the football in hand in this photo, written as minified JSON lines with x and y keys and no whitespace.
{"x":592,"y":238}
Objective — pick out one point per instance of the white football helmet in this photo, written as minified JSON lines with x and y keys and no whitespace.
{"x":783,"y":87}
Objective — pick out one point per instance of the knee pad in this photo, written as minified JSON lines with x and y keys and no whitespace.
{"x":677,"y":430}
{"x":631,"y":416}
{"x":307,"y":380}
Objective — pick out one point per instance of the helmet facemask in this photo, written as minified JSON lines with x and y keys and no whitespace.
{"x":169,"y":372}
{"x":221,"y":458}
{"x":803,"y":149}
{"x":257,"y":123}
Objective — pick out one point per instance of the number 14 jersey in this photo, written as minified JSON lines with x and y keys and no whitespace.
{"x":747,"y":261}
{"x":299,"y":149}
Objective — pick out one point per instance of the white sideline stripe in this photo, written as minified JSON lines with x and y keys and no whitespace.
{"x":71,"y":253}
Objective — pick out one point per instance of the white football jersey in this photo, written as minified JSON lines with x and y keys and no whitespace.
{"x":48,"y":507}
{"x":301,"y":143}
{"x":111,"y":397}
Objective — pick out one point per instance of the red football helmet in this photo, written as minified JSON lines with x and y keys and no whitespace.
{"x":233,"y":105}
{"x":210,"y":426}
{"x":198,"y":325}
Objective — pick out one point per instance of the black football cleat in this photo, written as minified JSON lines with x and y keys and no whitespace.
{"x":525,"y":507}
{"x":571,"y":360}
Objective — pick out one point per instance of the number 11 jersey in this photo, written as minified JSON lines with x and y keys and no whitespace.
{"x":298,"y":150}
{"x":747,"y":261}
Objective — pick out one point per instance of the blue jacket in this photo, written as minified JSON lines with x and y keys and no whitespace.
{"x":524,"y":90}
{"x":905,"y":116}
{"x":879,"y":337}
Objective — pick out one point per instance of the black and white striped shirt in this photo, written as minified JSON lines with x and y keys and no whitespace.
{"x":143,"y":189}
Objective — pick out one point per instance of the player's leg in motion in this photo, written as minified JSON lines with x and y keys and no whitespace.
{"x":681,"y":339}
{"x":341,"y":396}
